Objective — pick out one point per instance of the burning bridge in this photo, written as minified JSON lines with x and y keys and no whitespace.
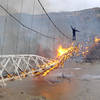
{"x":14,"y":67}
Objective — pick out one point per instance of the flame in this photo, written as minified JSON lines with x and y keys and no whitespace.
{"x":63,"y":54}
{"x":85,"y":52}
{"x":23,"y":74}
{"x":62,"y":50}
{"x":97,"y":40}
{"x":9,"y":76}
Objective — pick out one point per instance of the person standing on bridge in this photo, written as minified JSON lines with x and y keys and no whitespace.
{"x":74,"y":30}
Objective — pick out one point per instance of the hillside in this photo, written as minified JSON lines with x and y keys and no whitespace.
{"x":94,"y":53}
{"x":14,"y":39}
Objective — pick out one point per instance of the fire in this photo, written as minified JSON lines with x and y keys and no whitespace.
{"x":85,"y":52}
{"x":63,"y":54}
{"x":62,"y":50}
{"x":97,"y":40}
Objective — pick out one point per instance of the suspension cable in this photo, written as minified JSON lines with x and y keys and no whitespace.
{"x":52,"y":21}
{"x":25,"y":25}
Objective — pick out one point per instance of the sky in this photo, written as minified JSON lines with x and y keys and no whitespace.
{"x":72,"y":5}
{"x":62,"y":5}
{"x":26,"y":6}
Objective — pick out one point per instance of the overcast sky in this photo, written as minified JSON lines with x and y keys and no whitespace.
{"x":63,"y":5}
{"x":26,"y":6}
{"x":72,"y":5}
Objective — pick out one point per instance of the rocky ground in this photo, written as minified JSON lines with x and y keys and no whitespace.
{"x":76,"y":81}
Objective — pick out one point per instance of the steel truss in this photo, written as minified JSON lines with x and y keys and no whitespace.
{"x":18,"y":66}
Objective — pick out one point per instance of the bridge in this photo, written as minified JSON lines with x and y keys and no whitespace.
{"x":14,"y":67}
{"x":20,"y":65}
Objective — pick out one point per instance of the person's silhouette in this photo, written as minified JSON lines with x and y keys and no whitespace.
{"x":74,"y":30}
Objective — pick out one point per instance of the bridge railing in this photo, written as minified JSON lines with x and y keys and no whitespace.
{"x":16,"y":64}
